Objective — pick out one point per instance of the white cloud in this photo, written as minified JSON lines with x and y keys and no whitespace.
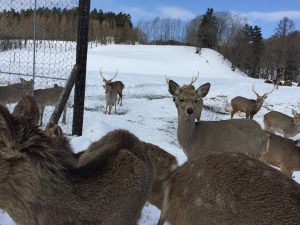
{"x":176,"y":13}
{"x":271,"y":16}
{"x":138,"y":13}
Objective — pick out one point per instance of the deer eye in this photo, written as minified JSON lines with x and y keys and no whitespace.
{"x":195,"y":101}
{"x":181,"y":100}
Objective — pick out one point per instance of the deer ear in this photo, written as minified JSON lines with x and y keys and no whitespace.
{"x":50,"y":125}
{"x":58,"y":131}
{"x":7,"y":131}
{"x":174,"y":88}
{"x":203,"y":90}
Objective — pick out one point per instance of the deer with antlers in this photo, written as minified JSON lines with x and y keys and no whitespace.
{"x":205,"y":137}
{"x":116,"y":86}
{"x":249,"y":106}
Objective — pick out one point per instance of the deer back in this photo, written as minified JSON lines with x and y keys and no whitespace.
{"x":279,"y":122}
{"x":48,"y":96}
{"x":230,"y":189}
{"x":14,"y":92}
{"x":283,"y":153}
{"x":245,"y":105}
{"x":118,"y":86}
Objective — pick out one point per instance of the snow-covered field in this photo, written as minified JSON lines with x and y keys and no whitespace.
{"x":148,"y":110}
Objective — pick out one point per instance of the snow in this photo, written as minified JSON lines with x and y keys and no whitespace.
{"x":148,"y":110}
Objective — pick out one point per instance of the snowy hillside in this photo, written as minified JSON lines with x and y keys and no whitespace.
{"x":148,"y":110}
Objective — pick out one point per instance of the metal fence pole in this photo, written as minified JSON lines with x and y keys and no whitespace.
{"x":34,"y":42}
{"x":81,"y":57}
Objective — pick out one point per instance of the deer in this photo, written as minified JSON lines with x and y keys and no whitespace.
{"x":278,"y":122}
{"x":117,"y":86}
{"x":12,"y":93}
{"x":49,"y":97}
{"x":288,"y":83}
{"x":229,"y":189}
{"x":27,"y":108}
{"x":205,"y":137}
{"x":248,"y":106}
{"x":39,"y":184}
{"x":283,"y":153}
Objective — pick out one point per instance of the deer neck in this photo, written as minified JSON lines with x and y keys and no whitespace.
{"x":186,"y":129}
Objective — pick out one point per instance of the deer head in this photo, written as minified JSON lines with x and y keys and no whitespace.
{"x":296,"y":116}
{"x":186,"y":98}
{"x":260,"y":98}
{"x":105,"y":80}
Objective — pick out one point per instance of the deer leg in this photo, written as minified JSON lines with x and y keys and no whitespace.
{"x":247,"y":116}
{"x":251,"y":116}
{"x":64,"y":115}
{"x":109,"y":110}
{"x":106,"y":108}
{"x":42,"y":113}
{"x":115,"y":107}
{"x":121,"y":98}
{"x":232,"y":114}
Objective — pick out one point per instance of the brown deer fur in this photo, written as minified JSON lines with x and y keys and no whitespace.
{"x":283,"y":153}
{"x":49,"y":97}
{"x":278,"y":122}
{"x":248,"y":106}
{"x":40,"y":186}
{"x":27,"y":108}
{"x":14,"y":92}
{"x":205,"y":137}
{"x":230,"y":189}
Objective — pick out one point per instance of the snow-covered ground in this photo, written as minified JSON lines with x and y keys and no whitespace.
{"x":148,"y":110}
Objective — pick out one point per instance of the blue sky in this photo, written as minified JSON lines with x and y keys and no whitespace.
{"x":264,"y":13}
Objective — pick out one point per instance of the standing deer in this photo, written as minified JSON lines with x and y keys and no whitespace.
{"x":278,"y":122}
{"x":116,"y":86}
{"x":14,"y":92}
{"x":283,"y":153}
{"x":27,"y":108}
{"x":248,"y":106}
{"x":230,"y":189}
{"x":205,"y":137}
{"x":49,"y":97}
{"x":40,"y":185}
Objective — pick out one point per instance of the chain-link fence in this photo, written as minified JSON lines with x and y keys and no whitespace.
{"x":38,"y":41}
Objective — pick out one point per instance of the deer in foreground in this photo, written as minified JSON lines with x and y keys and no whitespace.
{"x":49,"y":97}
{"x":40,"y":185}
{"x":205,"y":137}
{"x":230,"y":189}
{"x":116,"y":86}
{"x":283,"y":153}
{"x":27,"y":108}
{"x":248,"y":106}
{"x":14,"y":92}
{"x":278,"y":122}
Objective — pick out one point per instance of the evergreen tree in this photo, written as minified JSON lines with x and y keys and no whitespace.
{"x":207,"y":31}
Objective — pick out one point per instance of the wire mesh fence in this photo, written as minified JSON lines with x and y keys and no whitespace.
{"x":38,"y":41}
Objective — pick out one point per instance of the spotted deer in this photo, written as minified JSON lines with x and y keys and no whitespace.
{"x":40,"y":184}
{"x":278,"y":122}
{"x":12,"y":93}
{"x":49,"y":97}
{"x":116,"y":86}
{"x":248,"y":106}
{"x":283,"y":153}
{"x":205,"y":137}
{"x":229,"y":189}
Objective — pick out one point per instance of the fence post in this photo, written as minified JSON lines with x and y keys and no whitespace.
{"x":81,"y":57}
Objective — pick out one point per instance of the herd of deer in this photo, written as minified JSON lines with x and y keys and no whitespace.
{"x":225,"y":181}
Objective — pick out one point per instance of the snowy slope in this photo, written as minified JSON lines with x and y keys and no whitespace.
{"x":148,"y":110}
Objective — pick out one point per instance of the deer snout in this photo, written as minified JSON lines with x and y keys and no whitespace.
{"x":190,"y":110}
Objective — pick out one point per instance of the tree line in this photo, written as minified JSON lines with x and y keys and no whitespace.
{"x":61,"y":24}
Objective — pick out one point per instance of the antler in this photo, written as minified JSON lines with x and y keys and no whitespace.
{"x":101,"y":74}
{"x":271,"y":90}
{"x":253,"y":87}
{"x":114,"y":76}
{"x":194,"y":78}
